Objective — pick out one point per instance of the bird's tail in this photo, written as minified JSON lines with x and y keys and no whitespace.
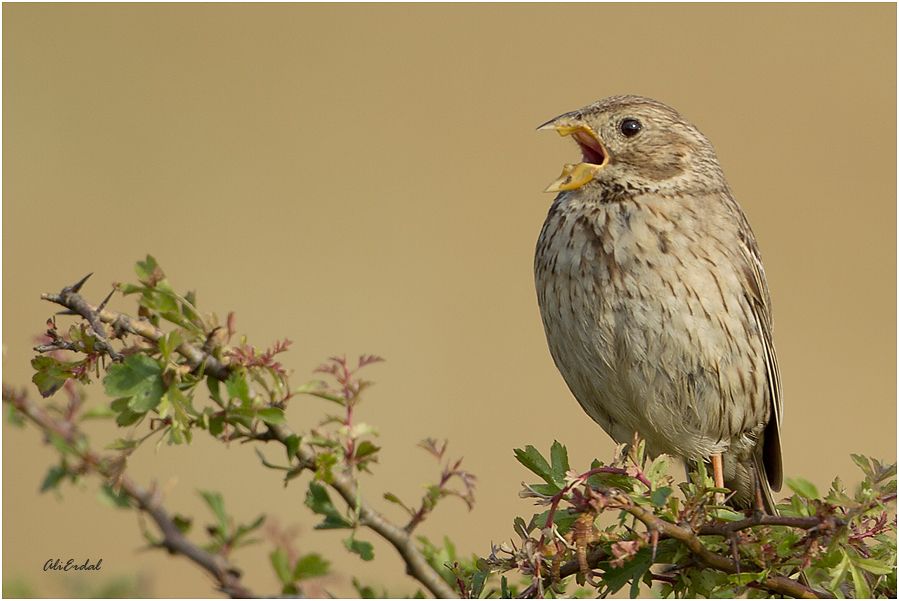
{"x":763,"y":488}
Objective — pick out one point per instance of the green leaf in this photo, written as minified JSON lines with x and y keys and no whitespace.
{"x":310,"y":566}
{"x":389,"y":496}
{"x":803,"y":488}
{"x":862,"y":590}
{"x":122,"y":444}
{"x":478,"y":579}
{"x":138,"y":377}
{"x":862,"y":462}
{"x":559,"y":456}
{"x":237,"y":387}
{"x":182,"y":523}
{"x":563,"y":519}
{"x":271,"y":415}
{"x":873,"y":566}
{"x":128,"y":417}
{"x":148,"y":271}
{"x":660,"y":496}
{"x":633,"y":569}
{"x":169,"y":343}
{"x":113,"y":498}
{"x":744,"y":578}
{"x":291,"y":446}
{"x":545,"y":489}
{"x":281,"y":565}
{"x":14,"y":416}
{"x":216,"y":503}
{"x":97,"y":413}
{"x":365,"y":451}
{"x":50,"y":374}
{"x":214,"y":390}
{"x":53,"y":477}
{"x":318,"y":500}
{"x":216,"y":424}
{"x":361,"y":548}
{"x":531,"y":458}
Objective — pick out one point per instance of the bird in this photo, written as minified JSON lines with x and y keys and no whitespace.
{"x":654,"y":299}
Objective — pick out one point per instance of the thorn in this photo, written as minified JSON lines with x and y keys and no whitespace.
{"x":67,"y":312}
{"x":102,"y":305}
{"x":654,"y":537}
{"x":77,"y":285}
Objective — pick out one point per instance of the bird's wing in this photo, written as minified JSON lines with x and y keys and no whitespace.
{"x":760,"y":302}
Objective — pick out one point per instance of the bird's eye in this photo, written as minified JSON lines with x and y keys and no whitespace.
{"x":630,"y":127}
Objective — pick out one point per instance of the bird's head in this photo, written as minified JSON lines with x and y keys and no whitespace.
{"x":638,"y":143}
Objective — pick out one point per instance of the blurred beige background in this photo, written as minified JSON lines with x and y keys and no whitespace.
{"x":368,"y":179}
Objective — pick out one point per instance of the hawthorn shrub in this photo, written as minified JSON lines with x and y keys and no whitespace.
{"x":171,"y":372}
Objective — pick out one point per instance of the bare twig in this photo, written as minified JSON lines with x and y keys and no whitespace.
{"x":226,"y":576}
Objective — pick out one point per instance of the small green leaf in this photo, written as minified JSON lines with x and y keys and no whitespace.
{"x":122,"y":444}
{"x":214,"y":390}
{"x":310,"y":566}
{"x":744,"y":578}
{"x":216,"y":503}
{"x":148,"y":271}
{"x":97,"y":413}
{"x":862,"y":590}
{"x":53,"y":477}
{"x":271,"y":415}
{"x":128,"y":417}
{"x":803,"y":488}
{"x":365,"y":451}
{"x":50,"y":374}
{"x":318,"y":500}
{"x":660,"y":496}
{"x":862,"y":462}
{"x":14,"y":416}
{"x":138,"y":377}
{"x":237,"y":387}
{"x":559,"y":457}
{"x":113,"y":498}
{"x":169,"y":343}
{"x":182,"y":523}
{"x":873,"y":566}
{"x":562,"y":519}
{"x":281,"y":565}
{"x":363,"y":549}
{"x":216,"y":424}
{"x":389,"y":496}
{"x":291,"y":446}
{"x":632,"y":570}
{"x":531,"y":458}
{"x":478,"y":580}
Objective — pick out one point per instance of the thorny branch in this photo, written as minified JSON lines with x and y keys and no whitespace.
{"x":775,"y":584}
{"x":74,"y":303}
{"x":780,"y":585}
{"x":417,"y":565}
{"x":226,"y":576}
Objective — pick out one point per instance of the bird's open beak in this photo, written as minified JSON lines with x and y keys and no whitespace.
{"x":595,"y":154}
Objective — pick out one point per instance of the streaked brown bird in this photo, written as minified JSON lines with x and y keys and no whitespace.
{"x":654,"y":298}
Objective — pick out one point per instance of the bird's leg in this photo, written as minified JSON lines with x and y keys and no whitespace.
{"x":718,"y":474}
{"x":759,"y":508}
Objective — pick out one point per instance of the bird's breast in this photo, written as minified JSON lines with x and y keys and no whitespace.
{"x":646,"y":320}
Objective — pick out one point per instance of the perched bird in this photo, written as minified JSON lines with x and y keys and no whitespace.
{"x":654,"y":298}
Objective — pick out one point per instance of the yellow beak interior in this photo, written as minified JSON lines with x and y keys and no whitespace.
{"x":595,"y":157}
